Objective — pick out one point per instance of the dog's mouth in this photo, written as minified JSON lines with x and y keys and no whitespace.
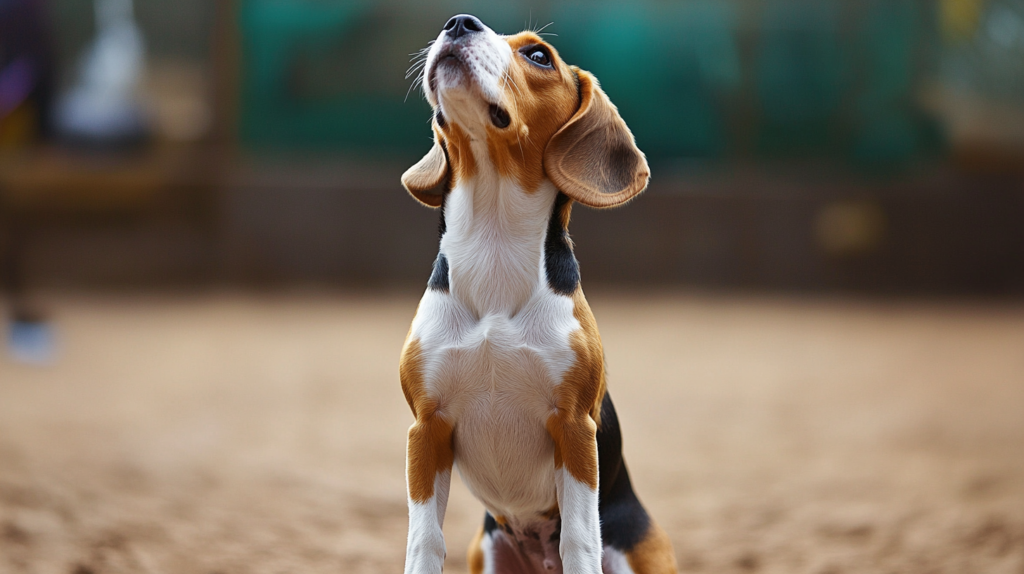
{"x":449,"y":57}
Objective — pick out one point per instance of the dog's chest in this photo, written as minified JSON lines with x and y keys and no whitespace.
{"x":494,"y":362}
{"x":495,"y":378}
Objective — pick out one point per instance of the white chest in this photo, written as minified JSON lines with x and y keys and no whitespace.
{"x":504,"y":358}
{"x":494,"y":378}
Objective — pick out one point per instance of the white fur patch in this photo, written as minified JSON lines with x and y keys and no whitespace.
{"x":487,"y":547}
{"x":495,"y":242}
{"x":581,"y":525}
{"x":425,"y":550}
{"x":615,"y":562}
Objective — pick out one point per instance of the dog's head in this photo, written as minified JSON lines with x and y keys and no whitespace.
{"x":513,"y":99}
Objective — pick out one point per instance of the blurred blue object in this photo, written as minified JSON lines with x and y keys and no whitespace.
{"x":31,"y":341}
{"x":102,"y":109}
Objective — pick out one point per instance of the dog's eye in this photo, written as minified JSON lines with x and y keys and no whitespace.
{"x":537,"y":55}
{"x":540,"y":57}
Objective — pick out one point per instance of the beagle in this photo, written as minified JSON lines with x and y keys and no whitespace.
{"x":503,"y":365}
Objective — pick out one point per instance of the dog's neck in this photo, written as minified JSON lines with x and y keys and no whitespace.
{"x":493,"y":239}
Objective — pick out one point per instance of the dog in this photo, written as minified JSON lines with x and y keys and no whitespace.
{"x":503,"y":366}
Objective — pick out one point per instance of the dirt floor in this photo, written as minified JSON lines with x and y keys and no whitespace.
{"x":233,"y":434}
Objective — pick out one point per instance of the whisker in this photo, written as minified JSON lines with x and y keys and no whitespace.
{"x":506,"y":80}
{"x":417,"y":82}
{"x":413,"y":69}
{"x":542,"y":28}
{"x":420,"y":52}
{"x":515,"y":86}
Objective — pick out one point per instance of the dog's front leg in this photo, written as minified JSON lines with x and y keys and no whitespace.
{"x":428,"y":477}
{"x":576,"y":483}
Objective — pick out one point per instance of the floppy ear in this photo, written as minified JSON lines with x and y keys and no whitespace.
{"x":427,"y":180}
{"x":593,"y":158}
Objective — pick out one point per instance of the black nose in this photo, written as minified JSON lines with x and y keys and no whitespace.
{"x":463,"y":24}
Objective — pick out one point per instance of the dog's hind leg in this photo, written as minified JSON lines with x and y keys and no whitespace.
{"x":653,"y":554}
{"x":476,"y":555}
{"x":633,"y":542}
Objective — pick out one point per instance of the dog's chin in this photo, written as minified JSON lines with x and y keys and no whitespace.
{"x":465,"y":101}
{"x":450,"y":74}
{"x":470,"y":110}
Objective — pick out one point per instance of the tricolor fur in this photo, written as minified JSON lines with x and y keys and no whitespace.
{"x":503,"y":366}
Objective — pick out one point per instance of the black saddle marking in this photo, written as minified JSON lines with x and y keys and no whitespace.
{"x":624,"y":521}
{"x":441,"y":225}
{"x":560,"y":265}
{"x":490,"y":524}
{"x":557,"y":534}
{"x":439,"y":276}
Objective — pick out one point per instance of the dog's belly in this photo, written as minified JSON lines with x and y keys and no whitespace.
{"x":506,"y":458}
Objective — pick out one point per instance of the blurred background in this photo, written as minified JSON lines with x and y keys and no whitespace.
{"x":208,"y":267}
{"x":834,"y":145}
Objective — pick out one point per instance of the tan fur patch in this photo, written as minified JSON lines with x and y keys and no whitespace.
{"x":575,"y":446}
{"x":654,"y":554}
{"x":475,"y":554}
{"x":589,"y":369}
{"x":539,"y":101}
{"x":426,"y":180}
{"x":461,"y":161}
{"x":593,"y":157}
{"x":410,"y":372}
{"x":430,"y":437}
{"x":573,"y":427}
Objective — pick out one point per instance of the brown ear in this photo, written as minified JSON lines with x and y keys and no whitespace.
{"x":426,"y":181}
{"x":593,"y":158}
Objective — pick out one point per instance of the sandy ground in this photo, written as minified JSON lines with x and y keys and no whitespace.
{"x":244,"y":434}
